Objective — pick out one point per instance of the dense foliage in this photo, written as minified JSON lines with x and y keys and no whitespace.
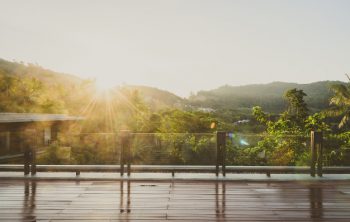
{"x":168,"y":130}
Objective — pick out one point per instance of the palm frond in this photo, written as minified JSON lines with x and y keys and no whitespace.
{"x":341,"y":100}
{"x":336,"y":111}
{"x":341,"y":90}
{"x":344,"y":120}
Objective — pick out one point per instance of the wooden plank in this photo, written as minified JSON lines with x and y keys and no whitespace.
{"x":179,"y":201}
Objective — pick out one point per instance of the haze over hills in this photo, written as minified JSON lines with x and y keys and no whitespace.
{"x":157,"y":98}
{"x":269,"y":96}
{"x":36,"y":71}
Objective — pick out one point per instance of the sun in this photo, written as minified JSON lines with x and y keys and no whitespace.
{"x":104,"y":85}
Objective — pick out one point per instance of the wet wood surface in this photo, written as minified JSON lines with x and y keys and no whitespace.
{"x":174,"y":201}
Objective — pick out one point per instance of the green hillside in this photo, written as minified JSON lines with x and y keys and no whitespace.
{"x":158,"y":98}
{"x":31,"y":70}
{"x":269,"y":96}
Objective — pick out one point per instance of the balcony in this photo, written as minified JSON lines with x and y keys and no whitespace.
{"x":177,"y":177}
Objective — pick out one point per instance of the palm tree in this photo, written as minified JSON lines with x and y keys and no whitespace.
{"x":341,"y":102}
{"x":296,"y":103}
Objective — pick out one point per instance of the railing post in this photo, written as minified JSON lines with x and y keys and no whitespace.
{"x":33,"y":160}
{"x":33,"y":145}
{"x":217,"y":154}
{"x":223,"y":151}
{"x":128,"y":152}
{"x":220,"y":152}
{"x":125,"y":151}
{"x":316,"y":153}
{"x":313,"y":154}
{"x":26,"y":142}
{"x":27,"y":155}
{"x":122,"y":152}
{"x":319,"y":143}
{"x":29,"y":143}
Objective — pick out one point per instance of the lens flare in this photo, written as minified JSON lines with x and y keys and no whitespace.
{"x":243,"y":142}
{"x":104,"y":85}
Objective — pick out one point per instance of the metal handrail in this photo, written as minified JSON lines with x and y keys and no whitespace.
{"x":174,"y":168}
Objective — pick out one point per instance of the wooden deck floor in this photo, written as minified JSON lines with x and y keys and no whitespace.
{"x":179,"y":201}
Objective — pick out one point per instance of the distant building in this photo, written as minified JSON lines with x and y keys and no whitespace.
{"x":244,"y":121}
{"x":43,"y":127}
{"x":206,"y":109}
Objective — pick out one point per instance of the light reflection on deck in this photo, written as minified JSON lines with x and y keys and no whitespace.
{"x":182,"y":201}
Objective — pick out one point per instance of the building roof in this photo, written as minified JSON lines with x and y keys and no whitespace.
{"x":35,"y":117}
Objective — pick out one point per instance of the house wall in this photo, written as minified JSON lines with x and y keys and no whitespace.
{"x":13,"y":136}
{"x":4,"y":142}
{"x":47,"y":135}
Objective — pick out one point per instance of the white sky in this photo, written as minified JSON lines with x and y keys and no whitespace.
{"x":183,"y":45}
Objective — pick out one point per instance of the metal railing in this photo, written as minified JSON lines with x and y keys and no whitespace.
{"x":155,"y":152}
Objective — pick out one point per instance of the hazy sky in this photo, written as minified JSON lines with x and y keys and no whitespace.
{"x":181,"y":46}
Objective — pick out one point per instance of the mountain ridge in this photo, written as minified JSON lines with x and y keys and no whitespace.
{"x":267,"y":95}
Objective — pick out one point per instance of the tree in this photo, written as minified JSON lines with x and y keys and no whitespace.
{"x":181,"y":144}
{"x":316,"y":122}
{"x":28,"y":94}
{"x":341,"y":103}
{"x":296,"y":104}
{"x":283,"y":142}
{"x":259,"y":115}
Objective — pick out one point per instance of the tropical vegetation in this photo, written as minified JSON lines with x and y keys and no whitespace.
{"x":271,"y":128}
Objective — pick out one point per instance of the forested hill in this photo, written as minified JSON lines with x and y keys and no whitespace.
{"x":158,"y":98}
{"x":155,"y":98}
{"x":269,"y":96}
{"x":20,"y":69}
